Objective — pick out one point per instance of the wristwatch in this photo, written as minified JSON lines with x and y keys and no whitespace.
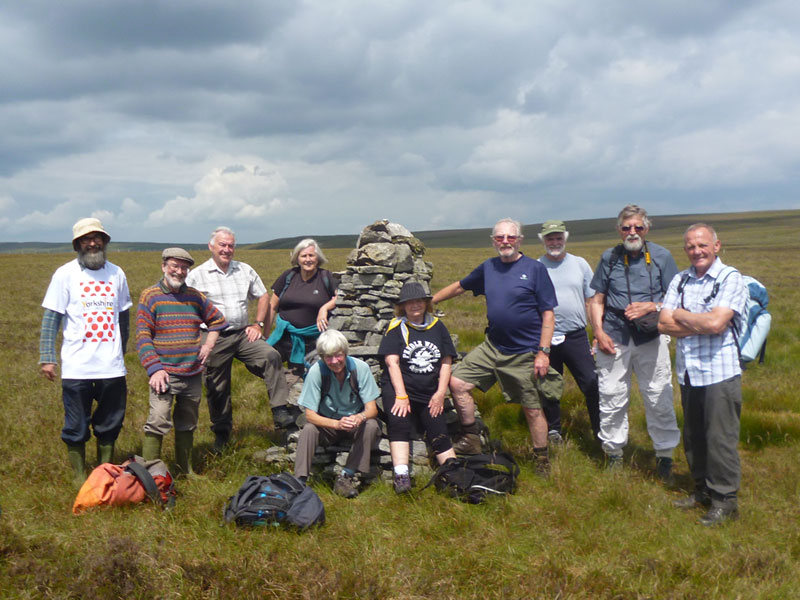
{"x":260,"y":324}
{"x":545,"y":349}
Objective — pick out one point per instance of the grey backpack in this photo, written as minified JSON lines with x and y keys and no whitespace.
{"x":280,"y":499}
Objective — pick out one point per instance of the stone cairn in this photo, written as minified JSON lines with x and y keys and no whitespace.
{"x":386,"y":256}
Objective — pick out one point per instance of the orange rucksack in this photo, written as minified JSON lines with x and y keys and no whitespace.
{"x":132,"y":482}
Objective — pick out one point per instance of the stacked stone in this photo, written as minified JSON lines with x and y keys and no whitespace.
{"x":386,"y":256}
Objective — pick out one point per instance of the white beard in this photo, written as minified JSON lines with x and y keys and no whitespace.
{"x":633,"y":243}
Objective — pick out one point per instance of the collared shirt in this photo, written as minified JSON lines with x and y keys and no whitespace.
{"x":708,"y":359}
{"x":230,"y":292}
{"x":340,"y":401}
{"x":648,"y":284}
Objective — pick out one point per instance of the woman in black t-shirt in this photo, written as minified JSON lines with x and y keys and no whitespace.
{"x":418,"y":354}
{"x":302,"y":298}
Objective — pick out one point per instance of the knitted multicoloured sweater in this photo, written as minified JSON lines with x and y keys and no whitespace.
{"x":168,"y":328}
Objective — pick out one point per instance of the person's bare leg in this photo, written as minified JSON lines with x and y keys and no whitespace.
{"x":537,"y":425}
{"x":442,"y":457}
{"x":462,"y":397}
{"x":399,"y":451}
{"x":470,"y":441}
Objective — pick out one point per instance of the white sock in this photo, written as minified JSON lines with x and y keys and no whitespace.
{"x":401,"y":470}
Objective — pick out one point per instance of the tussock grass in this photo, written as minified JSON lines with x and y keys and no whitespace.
{"x":581,"y":534}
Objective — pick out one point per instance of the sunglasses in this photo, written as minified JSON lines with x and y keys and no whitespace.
{"x":627,"y":228}
{"x":510,"y":238}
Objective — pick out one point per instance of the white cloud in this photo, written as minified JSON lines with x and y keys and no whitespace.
{"x":435,"y":114}
{"x":236,"y":193}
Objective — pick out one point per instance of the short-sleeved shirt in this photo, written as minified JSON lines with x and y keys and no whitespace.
{"x":517,"y":294}
{"x":301,"y":301}
{"x":341,"y":400}
{"x":571,"y":277}
{"x":91,"y":301}
{"x":708,"y":359}
{"x":230,"y":292}
{"x":647,"y":284}
{"x":420,"y":357}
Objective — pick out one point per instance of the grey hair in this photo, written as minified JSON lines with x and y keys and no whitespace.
{"x":711,"y":230}
{"x":517,"y":225}
{"x":633,"y":210}
{"x":566,"y":236}
{"x":221,"y":229}
{"x":302,"y":245}
{"x":331,"y":342}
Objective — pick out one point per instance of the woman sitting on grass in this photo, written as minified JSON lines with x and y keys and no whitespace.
{"x":418,"y":354}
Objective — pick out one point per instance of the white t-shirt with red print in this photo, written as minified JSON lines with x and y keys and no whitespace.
{"x":90,"y":302}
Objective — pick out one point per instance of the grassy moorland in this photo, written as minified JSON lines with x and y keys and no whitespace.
{"x":581,"y":534}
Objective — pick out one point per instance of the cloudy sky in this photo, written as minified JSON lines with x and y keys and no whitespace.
{"x":281,"y":118}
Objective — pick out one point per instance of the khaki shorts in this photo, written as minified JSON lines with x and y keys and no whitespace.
{"x":486,"y":365}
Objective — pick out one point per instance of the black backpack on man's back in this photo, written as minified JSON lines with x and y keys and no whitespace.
{"x":280,"y":499}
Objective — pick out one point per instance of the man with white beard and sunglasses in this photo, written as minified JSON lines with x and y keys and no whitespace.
{"x":631,"y":280}
{"x":89,"y":296}
{"x":571,"y":276}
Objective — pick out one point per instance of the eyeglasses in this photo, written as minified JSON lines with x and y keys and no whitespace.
{"x":627,"y":228}
{"x":510,"y":238}
{"x":176,"y":267}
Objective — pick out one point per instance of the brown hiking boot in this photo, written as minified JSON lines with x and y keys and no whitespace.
{"x":541,"y":464}
{"x":346,"y":486}
{"x":469,"y":443}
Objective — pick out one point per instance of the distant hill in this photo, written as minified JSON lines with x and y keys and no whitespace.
{"x":47,"y":247}
{"x":585,"y":230}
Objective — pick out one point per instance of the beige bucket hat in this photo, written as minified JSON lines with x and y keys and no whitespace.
{"x":86,"y":226}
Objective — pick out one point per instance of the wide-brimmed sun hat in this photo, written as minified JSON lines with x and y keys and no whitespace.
{"x":85,"y":227}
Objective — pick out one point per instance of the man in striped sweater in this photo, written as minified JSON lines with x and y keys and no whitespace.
{"x":168,"y":340}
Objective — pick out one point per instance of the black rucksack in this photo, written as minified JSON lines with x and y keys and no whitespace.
{"x":472,"y":478}
{"x":280,"y":499}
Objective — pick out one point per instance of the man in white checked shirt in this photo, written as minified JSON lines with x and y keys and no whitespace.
{"x":702,"y":308}
{"x":231,"y":285}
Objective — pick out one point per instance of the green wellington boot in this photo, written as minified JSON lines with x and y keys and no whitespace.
{"x":77,"y":458}
{"x":184,"y":440}
{"x":105,"y":452}
{"x":151,"y":446}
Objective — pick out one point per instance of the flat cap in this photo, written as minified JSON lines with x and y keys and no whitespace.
{"x":178,"y":253}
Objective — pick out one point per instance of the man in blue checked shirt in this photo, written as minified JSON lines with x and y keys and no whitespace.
{"x":703,"y":309}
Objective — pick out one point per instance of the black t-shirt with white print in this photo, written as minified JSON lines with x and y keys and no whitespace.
{"x":420,"y":360}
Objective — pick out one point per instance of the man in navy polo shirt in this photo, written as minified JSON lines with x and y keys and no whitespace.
{"x":519,"y":305}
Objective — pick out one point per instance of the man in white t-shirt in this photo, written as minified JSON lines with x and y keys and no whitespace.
{"x":571,"y":276}
{"x":89,"y":297}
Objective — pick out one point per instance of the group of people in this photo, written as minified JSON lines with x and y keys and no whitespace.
{"x":537,"y":310}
